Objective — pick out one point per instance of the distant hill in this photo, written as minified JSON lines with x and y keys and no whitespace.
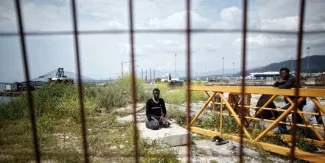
{"x":316,"y":64}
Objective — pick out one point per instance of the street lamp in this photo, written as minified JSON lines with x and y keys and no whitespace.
{"x":129,"y":66}
{"x":291,"y":62}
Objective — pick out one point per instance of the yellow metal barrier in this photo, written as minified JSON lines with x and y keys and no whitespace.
{"x":312,"y":93}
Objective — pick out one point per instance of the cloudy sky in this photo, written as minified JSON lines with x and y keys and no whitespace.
{"x":102,"y":54}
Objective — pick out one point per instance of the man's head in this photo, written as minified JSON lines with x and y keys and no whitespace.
{"x":284,"y":72}
{"x":156,"y":93}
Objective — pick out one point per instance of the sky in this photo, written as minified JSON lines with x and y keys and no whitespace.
{"x":102,"y":54}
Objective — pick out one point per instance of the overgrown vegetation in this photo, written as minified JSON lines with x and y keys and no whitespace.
{"x":119,"y":94}
{"x":303,"y":144}
{"x":58,"y":125}
{"x":177,"y":115}
{"x":178,"y":95}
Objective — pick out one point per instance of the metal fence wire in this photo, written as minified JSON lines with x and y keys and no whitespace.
{"x":131,"y":32}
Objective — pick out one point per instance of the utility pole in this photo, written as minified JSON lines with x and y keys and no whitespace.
{"x":142,"y":73}
{"x":308,"y":48}
{"x":175,"y":65}
{"x":146,"y":75}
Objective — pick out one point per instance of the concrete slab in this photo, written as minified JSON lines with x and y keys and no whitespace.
{"x":175,"y":135}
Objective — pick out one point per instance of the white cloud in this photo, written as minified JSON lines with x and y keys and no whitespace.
{"x":232,"y":16}
{"x":286,"y":23}
{"x":102,"y":54}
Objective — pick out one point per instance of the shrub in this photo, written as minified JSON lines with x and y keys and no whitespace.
{"x":56,"y":101}
{"x":176,"y":114}
{"x":118,"y":94}
{"x":14,"y":109}
{"x":177,"y":95}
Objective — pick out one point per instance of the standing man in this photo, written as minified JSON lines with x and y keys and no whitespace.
{"x":156,"y":112}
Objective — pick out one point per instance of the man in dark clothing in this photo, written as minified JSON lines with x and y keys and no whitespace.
{"x":287,"y":81}
{"x":156,"y":112}
{"x":265,"y":114}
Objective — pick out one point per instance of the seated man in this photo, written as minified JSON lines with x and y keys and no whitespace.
{"x":156,"y":112}
{"x":287,"y":81}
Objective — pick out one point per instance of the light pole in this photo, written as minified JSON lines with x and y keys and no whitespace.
{"x":233,"y":69}
{"x":223,"y":70}
{"x":291,"y":63}
{"x":150,"y":75}
{"x":308,"y":48}
{"x":175,"y":64}
{"x":122,"y":66}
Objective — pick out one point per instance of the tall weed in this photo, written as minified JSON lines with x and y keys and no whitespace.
{"x":118,"y":94}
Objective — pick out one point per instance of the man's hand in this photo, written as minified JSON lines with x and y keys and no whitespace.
{"x":162,"y":117}
{"x":280,"y":81}
{"x":155,"y":121}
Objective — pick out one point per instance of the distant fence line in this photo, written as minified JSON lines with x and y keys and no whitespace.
{"x":267,"y":82}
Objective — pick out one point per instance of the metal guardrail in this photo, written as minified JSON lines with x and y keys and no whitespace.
{"x":131,"y":32}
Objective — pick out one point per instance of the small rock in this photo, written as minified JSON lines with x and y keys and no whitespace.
{"x":113,"y":147}
{"x":232,"y":146}
{"x":121,"y":146}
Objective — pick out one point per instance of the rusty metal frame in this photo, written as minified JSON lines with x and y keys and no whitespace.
{"x":241,"y":90}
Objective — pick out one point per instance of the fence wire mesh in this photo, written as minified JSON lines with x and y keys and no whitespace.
{"x":188,"y":31}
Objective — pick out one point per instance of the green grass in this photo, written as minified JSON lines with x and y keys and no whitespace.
{"x":177,"y":95}
{"x":59,"y":128}
{"x":107,"y":141}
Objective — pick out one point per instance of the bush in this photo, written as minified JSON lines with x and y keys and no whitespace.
{"x":177,"y":95}
{"x":54,"y":101}
{"x":14,"y":109}
{"x":118,"y":94}
{"x":62,"y":100}
{"x":176,"y":114}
